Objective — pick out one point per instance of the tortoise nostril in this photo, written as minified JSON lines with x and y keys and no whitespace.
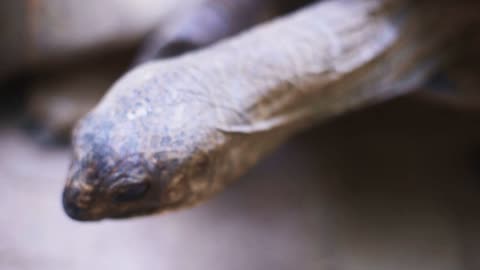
{"x":70,"y":206}
{"x":72,"y":210}
{"x":130,"y":192}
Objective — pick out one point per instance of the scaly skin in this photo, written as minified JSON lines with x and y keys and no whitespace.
{"x":172,"y":133}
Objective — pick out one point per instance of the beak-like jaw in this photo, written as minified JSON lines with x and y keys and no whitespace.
{"x":113,"y":185}
{"x":83,"y":203}
{"x":78,"y":203}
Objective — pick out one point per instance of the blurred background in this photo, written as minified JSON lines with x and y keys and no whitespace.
{"x":393,"y":186}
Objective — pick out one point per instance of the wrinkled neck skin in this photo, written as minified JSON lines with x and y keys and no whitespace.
{"x":190,"y":125}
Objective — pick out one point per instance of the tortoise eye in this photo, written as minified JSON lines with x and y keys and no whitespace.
{"x":130,"y":192}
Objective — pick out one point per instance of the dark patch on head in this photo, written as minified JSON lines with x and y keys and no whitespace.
{"x":71,"y":208}
{"x":131,"y":192}
{"x":74,"y":169}
{"x":165,"y":165}
{"x":97,"y":163}
{"x":131,"y":166}
{"x":76,"y":206}
{"x":92,"y":149}
{"x":201,"y":163}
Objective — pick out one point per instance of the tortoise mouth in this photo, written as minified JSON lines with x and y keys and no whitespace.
{"x":76,"y":210}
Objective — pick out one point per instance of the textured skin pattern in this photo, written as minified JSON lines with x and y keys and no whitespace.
{"x":177,"y":131}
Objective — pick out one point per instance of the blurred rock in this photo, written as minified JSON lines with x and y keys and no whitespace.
{"x":45,"y":33}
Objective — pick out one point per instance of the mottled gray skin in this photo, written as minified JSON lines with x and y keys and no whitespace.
{"x":202,"y":24}
{"x":172,"y":133}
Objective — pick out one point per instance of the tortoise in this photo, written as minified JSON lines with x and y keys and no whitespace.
{"x":171,"y":133}
{"x":68,"y":88}
{"x":57,"y":100}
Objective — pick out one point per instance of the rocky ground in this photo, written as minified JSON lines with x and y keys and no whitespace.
{"x":392,"y":187}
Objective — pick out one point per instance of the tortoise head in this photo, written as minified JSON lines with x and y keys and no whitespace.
{"x":118,"y":176}
{"x":143,"y":149}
